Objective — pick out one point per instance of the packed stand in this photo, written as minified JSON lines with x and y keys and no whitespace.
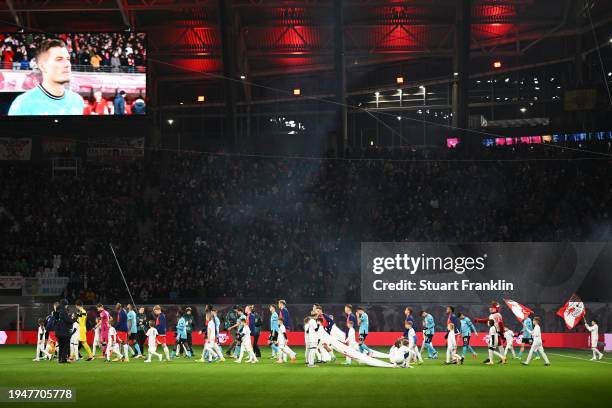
{"x":227,"y":227}
{"x":105,"y":52}
{"x":63,"y":225}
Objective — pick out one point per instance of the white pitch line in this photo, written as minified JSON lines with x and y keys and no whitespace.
{"x":580,"y":358}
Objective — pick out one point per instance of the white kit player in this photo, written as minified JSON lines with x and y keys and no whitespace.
{"x":40,"y":342}
{"x":351,"y":340}
{"x":537,"y":344}
{"x":451,"y":346}
{"x":323,"y":350}
{"x":495,"y":315}
{"x":74,"y":341}
{"x":399,"y":354}
{"x":97,"y":341}
{"x":152,"y":342}
{"x":245,"y":345}
{"x":494,"y":344}
{"x":210,"y":345}
{"x":509,"y":337}
{"x":415,"y":354}
{"x":112,"y":343}
{"x":283,"y":349}
{"x":594,"y":329}
{"x":311,"y":334}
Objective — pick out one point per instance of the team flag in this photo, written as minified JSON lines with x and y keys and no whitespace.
{"x":521,"y":312}
{"x":572,"y":311}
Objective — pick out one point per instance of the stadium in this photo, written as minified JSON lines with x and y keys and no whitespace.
{"x":310,"y":203}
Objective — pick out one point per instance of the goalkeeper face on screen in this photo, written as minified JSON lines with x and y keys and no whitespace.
{"x":54,"y":62}
{"x":51,"y":97}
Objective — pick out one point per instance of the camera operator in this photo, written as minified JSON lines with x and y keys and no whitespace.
{"x":63,"y":329}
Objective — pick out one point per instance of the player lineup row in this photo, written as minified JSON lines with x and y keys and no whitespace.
{"x":127,"y":332}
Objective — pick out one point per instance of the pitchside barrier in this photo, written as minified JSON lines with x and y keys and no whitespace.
{"x":296,"y":338}
{"x":386,"y":321}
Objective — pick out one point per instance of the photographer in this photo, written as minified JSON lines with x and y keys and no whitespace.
{"x":63,"y":329}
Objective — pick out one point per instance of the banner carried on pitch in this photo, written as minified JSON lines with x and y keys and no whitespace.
{"x":521,"y":312}
{"x":572,"y":311}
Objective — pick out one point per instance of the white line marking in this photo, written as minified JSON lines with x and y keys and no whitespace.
{"x":580,"y":358}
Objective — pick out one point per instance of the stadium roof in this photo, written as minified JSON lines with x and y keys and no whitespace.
{"x":276,"y":37}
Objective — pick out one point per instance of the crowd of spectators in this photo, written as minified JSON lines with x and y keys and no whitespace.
{"x":108,"y":52}
{"x":98,"y":104}
{"x":62,"y":225}
{"x":193,"y":226}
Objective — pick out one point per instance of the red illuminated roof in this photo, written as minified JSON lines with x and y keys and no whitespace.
{"x":290,"y":35}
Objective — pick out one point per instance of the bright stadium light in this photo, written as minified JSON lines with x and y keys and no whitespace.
{"x":170,"y":121}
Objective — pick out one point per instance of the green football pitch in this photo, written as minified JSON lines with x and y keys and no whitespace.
{"x":571,"y":381}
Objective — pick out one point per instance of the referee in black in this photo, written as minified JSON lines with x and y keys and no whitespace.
{"x":63,"y":329}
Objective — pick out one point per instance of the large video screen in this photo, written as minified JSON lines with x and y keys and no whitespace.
{"x":73,"y":74}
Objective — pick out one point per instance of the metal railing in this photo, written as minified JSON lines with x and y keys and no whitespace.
{"x":18,"y":66}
